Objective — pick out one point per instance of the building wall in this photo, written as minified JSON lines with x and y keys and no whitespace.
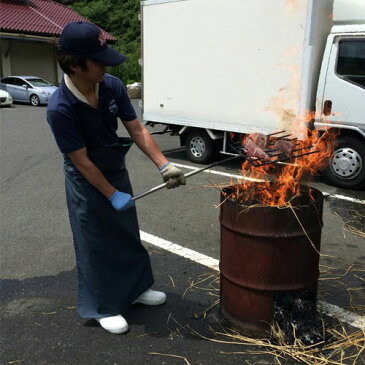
{"x":5,"y":57}
{"x":29,"y":57}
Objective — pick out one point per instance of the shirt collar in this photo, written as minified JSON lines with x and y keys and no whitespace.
{"x":75,"y":91}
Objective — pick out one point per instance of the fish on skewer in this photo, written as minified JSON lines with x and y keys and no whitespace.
{"x":285,"y":146}
{"x":252,"y":150}
{"x":259,"y":139}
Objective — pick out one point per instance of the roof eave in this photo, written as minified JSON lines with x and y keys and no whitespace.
{"x":11,"y":33}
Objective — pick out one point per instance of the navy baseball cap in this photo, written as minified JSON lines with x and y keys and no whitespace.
{"x":86,"y":39}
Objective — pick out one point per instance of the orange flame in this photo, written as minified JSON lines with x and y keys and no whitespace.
{"x":283,"y":181}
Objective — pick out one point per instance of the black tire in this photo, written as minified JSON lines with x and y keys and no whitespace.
{"x":200,"y":148}
{"x":347,"y":167}
{"x":34,"y":100}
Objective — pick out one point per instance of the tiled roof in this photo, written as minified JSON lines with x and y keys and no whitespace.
{"x":40,"y":17}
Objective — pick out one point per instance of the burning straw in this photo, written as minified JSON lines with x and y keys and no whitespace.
{"x":282,"y":182}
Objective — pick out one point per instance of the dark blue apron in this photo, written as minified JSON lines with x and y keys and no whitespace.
{"x":113,"y":267}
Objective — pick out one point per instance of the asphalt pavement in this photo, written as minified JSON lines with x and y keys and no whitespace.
{"x":39,"y":324}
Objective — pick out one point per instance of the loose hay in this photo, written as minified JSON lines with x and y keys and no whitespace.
{"x":354,"y":225}
{"x":170,"y":355}
{"x":341,"y":346}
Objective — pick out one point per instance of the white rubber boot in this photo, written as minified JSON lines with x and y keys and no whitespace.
{"x":116,"y":324}
{"x":151,"y":297}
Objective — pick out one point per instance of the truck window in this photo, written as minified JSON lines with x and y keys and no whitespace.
{"x":351,"y":61}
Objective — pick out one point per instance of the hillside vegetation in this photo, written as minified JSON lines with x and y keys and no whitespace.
{"x":120,"y":18}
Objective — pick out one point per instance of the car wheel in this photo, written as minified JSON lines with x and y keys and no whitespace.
{"x":347,"y":167}
{"x":199,"y":146}
{"x":34,"y":100}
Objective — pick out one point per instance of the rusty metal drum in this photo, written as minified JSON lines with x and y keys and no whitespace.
{"x":265,"y":250}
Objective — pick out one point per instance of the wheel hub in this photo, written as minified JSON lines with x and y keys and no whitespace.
{"x":197,"y":146}
{"x":346,"y":163}
{"x":34,"y":100}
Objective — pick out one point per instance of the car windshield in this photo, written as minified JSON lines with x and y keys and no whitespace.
{"x":39,"y":82}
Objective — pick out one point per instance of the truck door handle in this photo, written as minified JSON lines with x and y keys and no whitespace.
{"x":327,"y":108}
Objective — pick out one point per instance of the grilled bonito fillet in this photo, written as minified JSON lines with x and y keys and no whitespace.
{"x":254,"y":151}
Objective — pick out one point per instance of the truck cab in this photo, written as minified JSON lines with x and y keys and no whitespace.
{"x":340,"y":100}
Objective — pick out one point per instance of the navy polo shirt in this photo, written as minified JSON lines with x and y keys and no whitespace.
{"x":76,"y":124}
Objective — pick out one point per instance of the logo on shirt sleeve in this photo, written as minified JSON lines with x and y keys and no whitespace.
{"x":113,"y":107}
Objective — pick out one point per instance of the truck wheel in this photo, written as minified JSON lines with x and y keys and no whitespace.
{"x":347,"y":168}
{"x":199,"y":146}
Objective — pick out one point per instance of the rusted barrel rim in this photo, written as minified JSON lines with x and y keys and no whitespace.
{"x":317,"y":194}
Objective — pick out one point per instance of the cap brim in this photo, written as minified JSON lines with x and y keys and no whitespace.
{"x":107,"y":57}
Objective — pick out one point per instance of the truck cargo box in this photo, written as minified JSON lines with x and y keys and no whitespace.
{"x":232,"y":65}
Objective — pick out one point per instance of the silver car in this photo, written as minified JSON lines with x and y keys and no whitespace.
{"x":29,"y":89}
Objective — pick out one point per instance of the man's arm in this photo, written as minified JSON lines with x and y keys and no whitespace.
{"x":119,"y":200}
{"x":145,"y":142}
{"x":171,"y":175}
{"x":91,"y":172}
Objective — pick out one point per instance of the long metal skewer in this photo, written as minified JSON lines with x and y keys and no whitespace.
{"x":159,"y":187}
{"x":255,"y":163}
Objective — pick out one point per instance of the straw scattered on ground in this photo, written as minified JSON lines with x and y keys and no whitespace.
{"x":354,"y":274}
{"x":341,"y":346}
{"x":171,"y":355}
{"x":355,"y":224}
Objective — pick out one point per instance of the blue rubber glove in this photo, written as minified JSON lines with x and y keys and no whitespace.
{"x":121,"y":201}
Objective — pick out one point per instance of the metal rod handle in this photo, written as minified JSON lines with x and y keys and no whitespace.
{"x":161,"y":186}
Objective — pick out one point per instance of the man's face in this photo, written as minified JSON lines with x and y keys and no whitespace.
{"x":94,"y":72}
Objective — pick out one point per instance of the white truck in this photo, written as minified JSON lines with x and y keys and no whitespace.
{"x":213,"y":69}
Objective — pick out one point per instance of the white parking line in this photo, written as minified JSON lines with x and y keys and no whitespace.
{"x":326,"y":308}
{"x":343,"y":197}
{"x":181,"y":251}
{"x":240,"y":177}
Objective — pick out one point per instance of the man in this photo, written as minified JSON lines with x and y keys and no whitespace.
{"x":114,"y":268}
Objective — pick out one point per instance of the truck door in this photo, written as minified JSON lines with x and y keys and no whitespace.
{"x":344,"y":92}
{"x":343,"y":102}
